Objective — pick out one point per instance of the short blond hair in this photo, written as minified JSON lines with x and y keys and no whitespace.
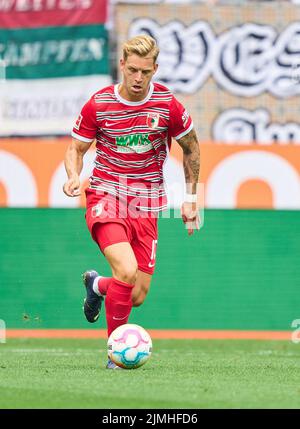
{"x":141,"y":45}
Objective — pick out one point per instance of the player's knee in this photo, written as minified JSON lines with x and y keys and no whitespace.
{"x":127,"y":274}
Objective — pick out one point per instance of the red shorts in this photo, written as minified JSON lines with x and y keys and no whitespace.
{"x":140,"y":232}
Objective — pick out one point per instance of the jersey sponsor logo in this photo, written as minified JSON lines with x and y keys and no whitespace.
{"x":136,"y":142}
{"x":78,"y":122}
{"x":152,"y":120}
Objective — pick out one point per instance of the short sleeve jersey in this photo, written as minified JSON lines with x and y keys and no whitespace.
{"x":132,"y":142}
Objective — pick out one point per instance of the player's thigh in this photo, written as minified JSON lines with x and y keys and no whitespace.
{"x":113,"y":238}
{"x":122,"y":261}
{"x":144,"y":244}
{"x":141,"y":288}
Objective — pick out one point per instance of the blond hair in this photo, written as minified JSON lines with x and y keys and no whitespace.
{"x":141,"y":45}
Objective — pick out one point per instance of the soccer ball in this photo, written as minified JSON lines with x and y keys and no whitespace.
{"x":129,"y":346}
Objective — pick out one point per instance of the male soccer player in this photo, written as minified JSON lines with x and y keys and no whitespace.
{"x":133,"y":123}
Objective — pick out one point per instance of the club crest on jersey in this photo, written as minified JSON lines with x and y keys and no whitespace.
{"x":97,"y":210}
{"x":152,"y":120}
{"x":78,"y":122}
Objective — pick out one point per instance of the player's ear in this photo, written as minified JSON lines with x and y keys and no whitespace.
{"x":155,"y":67}
{"x":122,"y":63}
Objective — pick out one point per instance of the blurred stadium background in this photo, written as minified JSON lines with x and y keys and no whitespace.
{"x":236,"y":67}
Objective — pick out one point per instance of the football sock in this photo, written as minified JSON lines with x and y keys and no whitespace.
{"x":118,"y":304}
{"x":101,"y":284}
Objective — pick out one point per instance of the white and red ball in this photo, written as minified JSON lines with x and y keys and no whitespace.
{"x":129,"y":346}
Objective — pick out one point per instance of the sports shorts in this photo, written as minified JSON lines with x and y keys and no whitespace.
{"x":139,"y":231}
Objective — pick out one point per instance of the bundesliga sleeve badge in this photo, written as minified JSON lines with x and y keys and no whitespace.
{"x":185,"y":117}
{"x":78,"y":122}
{"x":152,"y":120}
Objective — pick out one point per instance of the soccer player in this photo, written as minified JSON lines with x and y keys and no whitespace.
{"x":133,"y":123}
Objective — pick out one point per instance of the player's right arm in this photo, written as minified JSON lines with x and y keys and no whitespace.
{"x":84,"y":133}
{"x":73,"y":165}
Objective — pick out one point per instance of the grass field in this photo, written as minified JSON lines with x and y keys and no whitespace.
{"x":65,"y":373}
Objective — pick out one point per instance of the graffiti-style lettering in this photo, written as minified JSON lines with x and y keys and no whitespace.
{"x":185,"y":52}
{"x":241,"y":126}
{"x":246,"y":60}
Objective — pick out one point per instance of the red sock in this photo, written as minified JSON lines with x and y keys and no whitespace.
{"x":118,"y":304}
{"x":103,"y":284}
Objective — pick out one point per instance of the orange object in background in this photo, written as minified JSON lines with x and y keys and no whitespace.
{"x":234,"y":176}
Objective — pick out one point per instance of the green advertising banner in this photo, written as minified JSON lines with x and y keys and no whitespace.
{"x":50,"y":52}
{"x":239,"y":272}
{"x":53,"y":58}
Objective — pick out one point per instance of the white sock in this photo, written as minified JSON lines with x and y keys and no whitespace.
{"x":95,"y":286}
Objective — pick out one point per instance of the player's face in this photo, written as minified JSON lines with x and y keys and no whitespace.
{"x":137,"y":74}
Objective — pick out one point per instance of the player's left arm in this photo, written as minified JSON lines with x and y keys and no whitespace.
{"x":191,"y":165}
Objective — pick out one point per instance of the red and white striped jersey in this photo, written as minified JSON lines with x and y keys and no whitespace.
{"x":133,"y":140}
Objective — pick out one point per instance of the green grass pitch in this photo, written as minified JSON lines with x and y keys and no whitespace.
{"x":182,"y":374}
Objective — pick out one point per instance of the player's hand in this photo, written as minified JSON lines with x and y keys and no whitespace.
{"x":190,"y":216}
{"x":71,"y":187}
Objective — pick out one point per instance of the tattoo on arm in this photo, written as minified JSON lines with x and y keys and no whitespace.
{"x":191,"y":160}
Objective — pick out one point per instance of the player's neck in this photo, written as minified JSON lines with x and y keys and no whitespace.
{"x":124,"y":93}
